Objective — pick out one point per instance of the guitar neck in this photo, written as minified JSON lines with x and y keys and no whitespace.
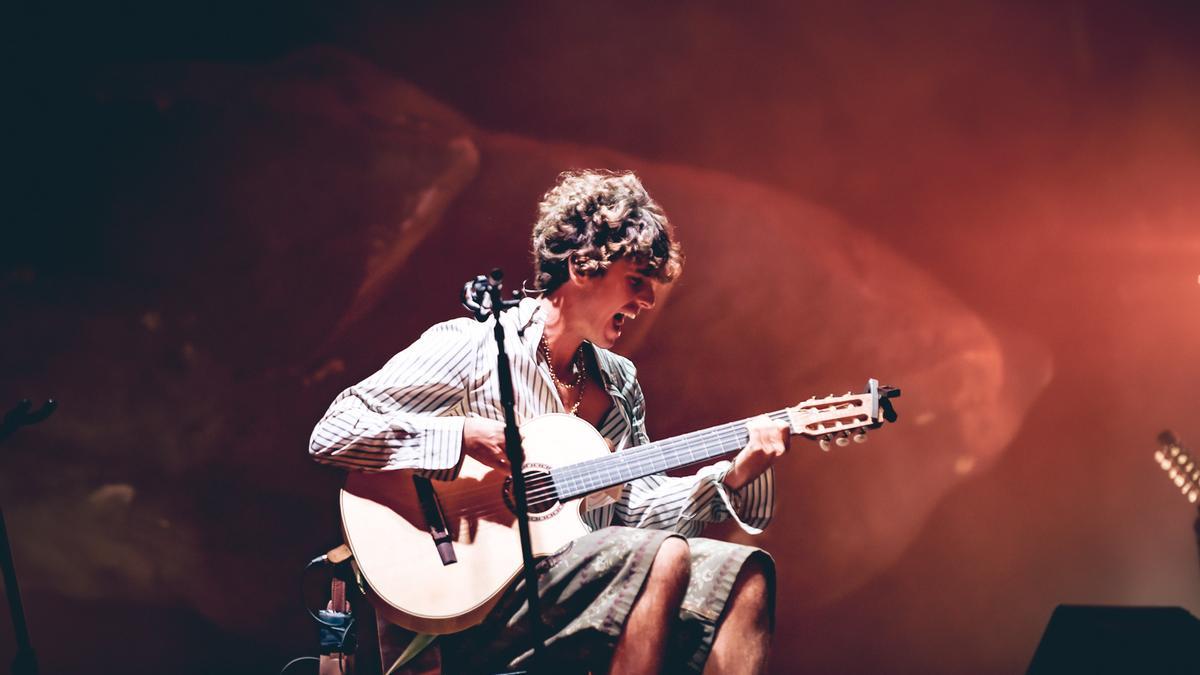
{"x":697,"y":447}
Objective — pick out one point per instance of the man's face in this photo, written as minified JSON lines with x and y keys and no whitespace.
{"x":604,"y":303}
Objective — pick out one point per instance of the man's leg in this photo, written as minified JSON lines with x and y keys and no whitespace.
{"x":743,"y":640}
{"x":643,"y":642}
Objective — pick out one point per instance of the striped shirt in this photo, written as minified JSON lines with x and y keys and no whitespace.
{"x":410,"y":415}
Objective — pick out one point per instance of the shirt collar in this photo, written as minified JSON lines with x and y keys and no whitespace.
{"x":530,"y":322}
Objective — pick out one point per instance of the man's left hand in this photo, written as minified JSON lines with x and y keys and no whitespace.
{"x":769,"y":440}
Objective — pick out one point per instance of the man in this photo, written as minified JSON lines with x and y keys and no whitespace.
{"x":634,"y":595}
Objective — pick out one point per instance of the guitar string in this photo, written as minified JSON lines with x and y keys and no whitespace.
{"x":537,"y":498}
{"x":543,"y":493}
{"x":546,"y":492}
{"x":542,"y":489}
{"x":659,"y":449}
{"x":499,"y":506}
{"x":638,"y":456}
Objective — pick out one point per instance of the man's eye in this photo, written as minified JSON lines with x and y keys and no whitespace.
{"x":636,"y":282}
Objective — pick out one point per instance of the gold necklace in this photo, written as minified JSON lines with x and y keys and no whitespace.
{"x":580,"y":374}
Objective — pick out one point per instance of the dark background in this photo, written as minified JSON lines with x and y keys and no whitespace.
{"x":186,"y":227}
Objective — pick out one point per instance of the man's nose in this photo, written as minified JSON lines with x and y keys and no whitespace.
{"x":646,"y":296}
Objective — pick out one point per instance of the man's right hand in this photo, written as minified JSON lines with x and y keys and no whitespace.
{"x":483,"y":441}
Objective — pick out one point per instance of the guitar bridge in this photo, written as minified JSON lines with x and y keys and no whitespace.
{"x":435,"y":520}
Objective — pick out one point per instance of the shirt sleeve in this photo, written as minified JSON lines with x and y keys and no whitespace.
{"x":685,"y":504}
{"x":402,"y":417}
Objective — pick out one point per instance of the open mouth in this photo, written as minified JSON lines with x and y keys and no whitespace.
{"x":619,"y":320}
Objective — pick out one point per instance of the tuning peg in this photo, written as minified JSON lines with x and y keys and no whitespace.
{"x":824,"y":443}
{"x":1174,"y":450}
{"x":1193,"y":496}
{"x":860,"y":437}
{"x":1178,"y":480}
{"x":842,"y":440}
{"x":1159,"y":456}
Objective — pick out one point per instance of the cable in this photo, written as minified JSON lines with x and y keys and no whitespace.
{"x":303,"y":601}
{"x":298,"y":660}
{"x":341,"y":631}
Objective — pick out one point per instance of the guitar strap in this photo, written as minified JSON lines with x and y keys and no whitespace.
{"x":419,"y":642}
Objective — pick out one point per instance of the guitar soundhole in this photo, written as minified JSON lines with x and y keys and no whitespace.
{"x":539,"y":493}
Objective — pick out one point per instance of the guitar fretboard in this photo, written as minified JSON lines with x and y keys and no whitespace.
{"x":695,"y":447}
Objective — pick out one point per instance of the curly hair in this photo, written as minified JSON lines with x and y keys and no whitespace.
{"x":591,"y":219}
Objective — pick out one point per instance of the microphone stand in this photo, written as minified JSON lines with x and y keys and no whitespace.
{"x":25,"y":662}
{"x":473,"y":295}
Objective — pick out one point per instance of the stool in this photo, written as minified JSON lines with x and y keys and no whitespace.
{"x":369,"y":658}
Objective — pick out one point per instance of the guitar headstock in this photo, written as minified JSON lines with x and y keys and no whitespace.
{"x":840,"y":419}
{"x":1179,"y":465}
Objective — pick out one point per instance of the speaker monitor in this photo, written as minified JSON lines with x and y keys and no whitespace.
{"x":1103,"y":639}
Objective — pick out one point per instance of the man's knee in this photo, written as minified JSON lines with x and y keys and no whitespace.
{"x":754,"y":590}
{"x":672,"y":566}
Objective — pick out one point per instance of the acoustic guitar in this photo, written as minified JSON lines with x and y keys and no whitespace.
{"x":437,"y":556}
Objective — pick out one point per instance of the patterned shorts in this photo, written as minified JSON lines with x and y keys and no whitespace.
{"x":587,"y":591}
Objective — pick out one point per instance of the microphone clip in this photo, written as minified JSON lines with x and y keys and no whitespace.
{"x":482,"y":296}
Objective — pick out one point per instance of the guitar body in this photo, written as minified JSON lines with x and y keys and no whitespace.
{"x":387,"y":530}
